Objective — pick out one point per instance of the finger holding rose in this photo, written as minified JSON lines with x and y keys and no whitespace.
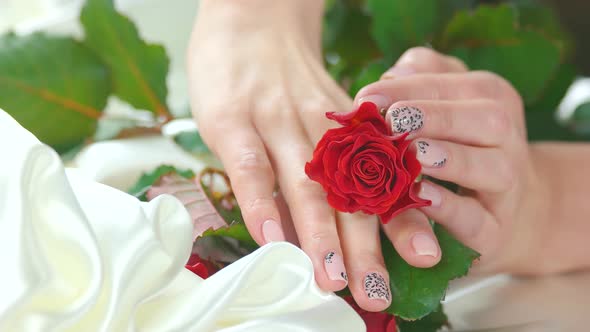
{"x":466,"y":128}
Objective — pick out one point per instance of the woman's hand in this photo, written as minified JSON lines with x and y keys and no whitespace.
{"x":468,"y":128}
{"x":260,"y":94}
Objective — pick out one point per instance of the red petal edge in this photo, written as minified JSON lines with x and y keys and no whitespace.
{"x":367,"y":112}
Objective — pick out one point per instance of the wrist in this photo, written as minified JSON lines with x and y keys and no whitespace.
{"x":544,"y":192}
{"x":563,"y":212}
{"x":283,"y":14}
{"x":298,"y":20}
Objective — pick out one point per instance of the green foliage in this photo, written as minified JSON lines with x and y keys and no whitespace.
{"x":192,"y":142}
{"x":490,"y":39}
{"x":368,"y":75}
{"x":416,"y":291}
{"x":236,"y":230}
{"x":431,"y":323}
{"x":53,"y":86}
{"x":581,"y":119}
{"x":57,"y":87}
{"x":138,"y":69}
{"x":541,"y":118}
{"x":400,"y":24}
{"x":520,"y":40}
{"x":148,"y":179}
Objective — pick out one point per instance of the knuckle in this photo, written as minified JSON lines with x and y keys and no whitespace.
{"x":488,"y":84}
{"x":320,"y":235}
{"x":498,"y":122}
{"x":426,"y":59}
{"x":445,"y":122}
{"x":420,"y":53}
{"x":252,"y":160}
{"x":304,"y":184}
{"x":456,"y":63}
{"x":506,"y":174}
{"x":258,"y":204}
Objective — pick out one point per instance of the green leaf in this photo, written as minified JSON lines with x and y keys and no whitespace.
{"x":490,"y":39}
{"x":541,"y":119}
{"x":192,"y":142}
{"x":237,"y":230}
{"x":431,"y":323}
{"x":54,"y":87}
{"x":544,"y":20}
{"x":401,"y":24}
{"x":580,"y":121}
{"x":417,"y":292}
{"x":148,"y":179}
{"x":346,"y":33}
{"x":368,"y":75}
{"x":138,"y":69}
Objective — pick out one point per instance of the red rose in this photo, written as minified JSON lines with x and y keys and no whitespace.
{"x":363,"y":167}
{"x":375,"y":321}
{"x":200,"y":267}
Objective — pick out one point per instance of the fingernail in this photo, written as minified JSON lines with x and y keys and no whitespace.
{"x":376,"y":287}
{"x":430,"y":193}
{"x":431,"y":154}
{"x":272,"y":232}
{"x":404,"y":119}
{"x":334,"y":265}
{"x":424,"y":245}
{"x":382,"y":102}
{"x":398,"y":71}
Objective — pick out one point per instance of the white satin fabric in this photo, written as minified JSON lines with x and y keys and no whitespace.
{"x":81,"y":256}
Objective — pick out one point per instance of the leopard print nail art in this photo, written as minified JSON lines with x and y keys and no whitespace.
{"x":405,"y":119}
{"x":376,"y":287}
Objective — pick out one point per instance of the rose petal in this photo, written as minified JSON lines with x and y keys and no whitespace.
{"x":366,"y":113}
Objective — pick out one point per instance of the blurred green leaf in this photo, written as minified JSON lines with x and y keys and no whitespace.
{"x":417,"y":292}
{"x":347,"y":42}
{"x":236,"y":227}
{"x":371,"y":73}
{"x":236,"y":230}
{"x":431,"y":323}
{"x":346,"y":33}
{"x":541,"y":119}
{"x":138,"y":69}
{"x":55,"y":87}
{"x":580,"y":121}
{"x":150,"y":178}
{"x":543,"y":20}
{"x":489,"y":39}
{"x":192,"y":142}
{"x":401,"y":24}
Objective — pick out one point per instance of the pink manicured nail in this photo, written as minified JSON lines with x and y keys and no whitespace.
{"x":431,"y":154}
{"x":382,"y":102}
{"x":272,"y":232}
{"x":398,"y":71}
{"x":430,"y":193}
{"x":334,"y":265}
{"x":424,"y":245}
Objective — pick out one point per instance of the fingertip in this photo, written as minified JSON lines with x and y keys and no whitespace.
{"x":372,"y":291}
{"x":425,"y":250}
{"x":414,"y":240}
{"x":272,"y":231}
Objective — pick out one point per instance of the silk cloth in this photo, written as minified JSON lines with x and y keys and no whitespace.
{"x":78,"y":255}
